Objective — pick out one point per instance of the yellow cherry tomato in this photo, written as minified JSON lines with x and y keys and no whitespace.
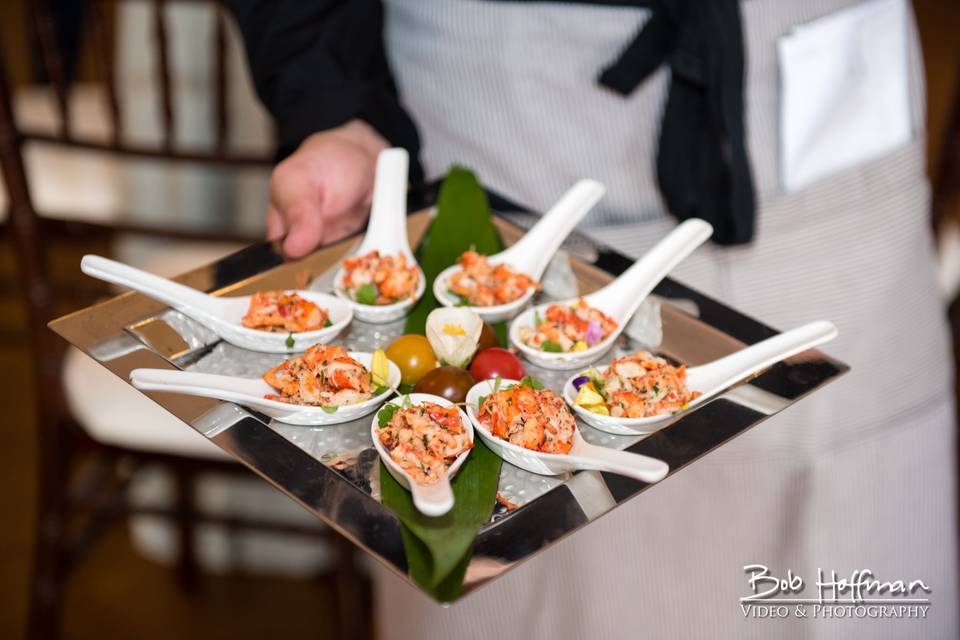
{"x":412,"y":353}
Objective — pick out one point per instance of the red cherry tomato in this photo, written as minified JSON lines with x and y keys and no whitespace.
{"x":494,"y":362}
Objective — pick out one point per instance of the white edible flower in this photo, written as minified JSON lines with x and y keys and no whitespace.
{"x":454,"y":334}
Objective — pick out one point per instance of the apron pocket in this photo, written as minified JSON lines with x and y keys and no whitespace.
{"x":845,"y":95}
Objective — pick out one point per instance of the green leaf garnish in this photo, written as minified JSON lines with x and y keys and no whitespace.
{"x":438,"y":550}
{"x":330,"y":409}
{"x":551,"y":347}
{"x":500,"y":328}
{"x":480,"y":402}
{"x":463,"y":219}
{"x":381,"y":388}
{"x":530,"y":381}
{"x":327,"y":323}
{"x":290,"y":341}
{"x":537,"y":319}
{"x":367,"y":294}
{"x":497,"y":381}
{"x":385,"y":415}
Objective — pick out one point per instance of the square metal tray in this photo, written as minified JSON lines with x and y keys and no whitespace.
{"x":333,"y":471}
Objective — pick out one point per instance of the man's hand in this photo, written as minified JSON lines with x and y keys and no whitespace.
{"x":322,"y":191}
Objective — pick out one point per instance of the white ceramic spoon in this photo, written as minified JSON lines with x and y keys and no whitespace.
{"x":532,"y":253}
{"x":386,"y":233}
{"x":714,"y":377}
{"x":582,"y":455}
{"x":436,"y":498}
{"x":222,"y":315}
{"x":250,"y":392}
{"x":620,"y":299}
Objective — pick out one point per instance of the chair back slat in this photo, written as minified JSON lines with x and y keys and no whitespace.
{"x":163,"y":72}
{"x":100,"y":38}
{"x":103,"y":47}
{"x":47,"y":42}
{"x":220,"y":75}
{"x":27,"y":236}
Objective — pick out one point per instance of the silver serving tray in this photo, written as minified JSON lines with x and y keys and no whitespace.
{"x":333,"y":471}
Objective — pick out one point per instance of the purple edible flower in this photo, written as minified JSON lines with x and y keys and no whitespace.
{"x":579,"y":382}
{"x":593,"y":333}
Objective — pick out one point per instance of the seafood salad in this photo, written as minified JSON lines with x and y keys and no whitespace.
{"x":376,"y":279}
{"x":529,"y":417}
{"x":575,"y":327}
{"x":636,"y":386}
{"x":424,"y":439}
{"x":325,"y":375}
{"x":482,"y":284}
{"x":282,"y":312}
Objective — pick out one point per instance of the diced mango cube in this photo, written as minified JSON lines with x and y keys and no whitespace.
{"x":600,"y":409}
{"x":588,"y":396}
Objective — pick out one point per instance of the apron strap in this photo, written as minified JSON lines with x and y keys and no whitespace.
{"x":702,"y":165}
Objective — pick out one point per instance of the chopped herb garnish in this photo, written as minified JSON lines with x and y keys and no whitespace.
{"x":656,"y":390}
{"x":537,"y":319}
{"x":598,"y":387}
{"x":385,"y":415}
{"x":551,"y":347}
{"x":530,"y":381}
{"x":497,"y":381}
{"x":462,"y":301}
{"x":382,"y":388}
{"x":289,"y":341}
{"x":480,"y":402}
{"x":426,"y":441}
{"x":327,"y":323}
{"x":367,"y":294}
{"x":330,"y":409}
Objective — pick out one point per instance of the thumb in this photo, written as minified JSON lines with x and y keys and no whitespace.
{"x":305,"y":225}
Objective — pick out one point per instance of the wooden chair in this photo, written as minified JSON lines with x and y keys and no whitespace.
{"x":73,"y":508}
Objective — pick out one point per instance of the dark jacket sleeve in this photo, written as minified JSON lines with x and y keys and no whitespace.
{"x":318,"y":63}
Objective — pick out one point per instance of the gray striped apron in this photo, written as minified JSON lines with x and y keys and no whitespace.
{"x":858,"y":476}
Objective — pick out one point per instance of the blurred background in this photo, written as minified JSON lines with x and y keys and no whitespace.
{"x":129,"y":128}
